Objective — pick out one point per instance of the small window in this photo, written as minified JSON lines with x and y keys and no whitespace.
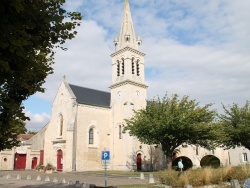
{"x":245,"y":157}
{"x":5,"y":159}
{"x":133,"y":66}
{"x":91,"y":136}
{"x":123,"y":68}
{"x":118,"y":68}
{"x":61,"y":125}
{"x":138,"y":68}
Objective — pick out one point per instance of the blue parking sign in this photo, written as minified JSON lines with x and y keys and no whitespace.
{"x":105,"y":155}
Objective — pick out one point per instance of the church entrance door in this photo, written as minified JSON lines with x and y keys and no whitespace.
{"x":138,"y":162}
{"x":59,"y":160}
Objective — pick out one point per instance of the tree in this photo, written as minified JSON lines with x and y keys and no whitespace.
{"x":32,"y":132}
{"x":30,"y":33}
{"x":171,"y":122}
{"x":236,"y":126}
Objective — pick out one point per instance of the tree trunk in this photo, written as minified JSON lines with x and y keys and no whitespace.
{"x":169,"y":161}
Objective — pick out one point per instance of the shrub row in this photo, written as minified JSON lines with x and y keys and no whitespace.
{"x":204,"y":176}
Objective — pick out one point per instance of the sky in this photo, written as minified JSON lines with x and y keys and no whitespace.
{"x":197,"y":48}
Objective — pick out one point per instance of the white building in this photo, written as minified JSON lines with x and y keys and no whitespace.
{"x":84,"y":122}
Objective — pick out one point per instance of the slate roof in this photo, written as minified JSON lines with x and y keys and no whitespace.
{"x":91,"y":96}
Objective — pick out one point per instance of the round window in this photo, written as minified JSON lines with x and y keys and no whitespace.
{"x":5,"y":159}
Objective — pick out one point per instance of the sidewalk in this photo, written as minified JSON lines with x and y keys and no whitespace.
{"x":30,"y":179}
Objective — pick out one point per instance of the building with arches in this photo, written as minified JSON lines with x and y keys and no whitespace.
{"x":84,"y":122}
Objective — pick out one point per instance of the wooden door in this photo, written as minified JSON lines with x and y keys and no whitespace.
{"x":138,"y":162}
{"x":34,"y":163}
{"x":20,"y":162}
{"x":59,"y":160}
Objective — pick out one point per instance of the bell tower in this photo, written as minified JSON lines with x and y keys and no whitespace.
{"x":128,"y":89}
{"x":128,"y":62}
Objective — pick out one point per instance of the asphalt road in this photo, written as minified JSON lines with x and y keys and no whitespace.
{"x":32,"y":178}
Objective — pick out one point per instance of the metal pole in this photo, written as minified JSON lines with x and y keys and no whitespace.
{"x":105,"y":173}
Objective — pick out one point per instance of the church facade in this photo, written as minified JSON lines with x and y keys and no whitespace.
{"x":85,"y":122}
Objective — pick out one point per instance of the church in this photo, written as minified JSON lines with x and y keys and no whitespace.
{"x":85,"y":122}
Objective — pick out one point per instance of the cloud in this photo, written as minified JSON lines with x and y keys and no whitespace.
{"x":192,"y":48}
{"x":86,"y":61}
{"x":37,"y":121}
{"x":207,"y":74}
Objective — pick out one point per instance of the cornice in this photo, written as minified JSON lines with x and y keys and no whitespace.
{"x":125,"y":82}
{"x":127,"y":49}
{"x":58,"y":141}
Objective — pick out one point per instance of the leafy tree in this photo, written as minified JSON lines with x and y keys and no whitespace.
{"x":30,"y":32}
{"x":171,"y":122}
{"x":236,"y":126}
{"x":31,"y":132}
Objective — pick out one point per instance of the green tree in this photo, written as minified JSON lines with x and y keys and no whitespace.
{"x":236,"y":126}
{"x":30,"y":33}
{"x":171,"y":122}
{"x":32,"y":132}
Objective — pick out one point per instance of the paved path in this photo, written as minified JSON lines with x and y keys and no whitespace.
{"x":19,"y":179}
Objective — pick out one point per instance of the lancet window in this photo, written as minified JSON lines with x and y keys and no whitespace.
{"x":91,"y":135}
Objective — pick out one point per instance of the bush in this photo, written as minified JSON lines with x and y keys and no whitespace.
{"x":217,"y":176}
{"x":168,"y":177}
{"x":194,"y":177}
{"x":204,"y":176}
{"x":49,"y":166}
{"x":39,"y":167}
{"x":237,"y":173}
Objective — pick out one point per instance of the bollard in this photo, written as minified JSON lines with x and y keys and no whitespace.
{"x":77,"y":184}
{"x":55,"y":180}
{"x":28,"y":177}
{"x":38,"y":178}
{"x":151,"y":179}
{"x":8,"y":176}
{"x":142,"y":176}
{"x":63,"y":181}
{"x":47,"y":178}
{"x":70,"y":182}
{"x":18,"y":177}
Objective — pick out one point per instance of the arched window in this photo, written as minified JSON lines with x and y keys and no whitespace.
{"x":118,"y":68}
{"x":61,"y":125}
{"x":120,"y":132}
{"x":123,"y":68}
{"x":138,"y":68}
{"x":133,"y":66}
{"x":91,"y":136}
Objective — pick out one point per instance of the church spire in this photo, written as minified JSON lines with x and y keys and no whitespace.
{"x":127,"y":34}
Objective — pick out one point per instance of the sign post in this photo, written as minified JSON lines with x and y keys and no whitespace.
{"x":105,"y":159}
